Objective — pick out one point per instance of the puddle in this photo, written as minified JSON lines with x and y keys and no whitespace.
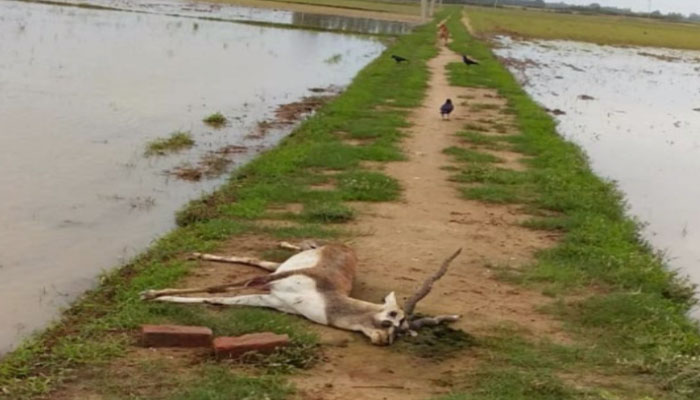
{"x":81,"y":93}
{"x":632,"y":111}
{"x":234,"y":13}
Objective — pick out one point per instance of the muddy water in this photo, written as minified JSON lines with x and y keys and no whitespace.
{"x":229,"y":12}
{"x":640,"y":127}
{"x":82,"y":91}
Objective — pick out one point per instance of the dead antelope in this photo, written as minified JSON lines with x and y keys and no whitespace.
{"x":316,"y":284}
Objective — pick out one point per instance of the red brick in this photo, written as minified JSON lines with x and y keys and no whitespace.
{"x":264,"y":342}
{"x":175,"y":336}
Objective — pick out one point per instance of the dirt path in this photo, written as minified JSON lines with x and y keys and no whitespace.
{"x":407,"y":240}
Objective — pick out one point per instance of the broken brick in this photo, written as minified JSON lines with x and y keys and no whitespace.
{"x":264,"y":342}
{"x":175,"y":336}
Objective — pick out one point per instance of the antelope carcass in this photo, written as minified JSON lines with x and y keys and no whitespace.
{"x":316,"y":284}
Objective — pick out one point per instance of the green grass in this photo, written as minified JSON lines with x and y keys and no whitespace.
{"x":218,"y":383}
{"x":368,"y":186}
{"x":216,"y":120}
{"x":327,"y":212}
{"x":100,"y":326}
{"x":588,"y":28}
{"x":520,"y":368}
{"x":178,"y":140}
{"x":630,"y":307}
{"x":481,"y":173}
{"x":479,"y":138}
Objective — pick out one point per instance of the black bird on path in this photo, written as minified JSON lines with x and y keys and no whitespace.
{"x":398,"y":59}
{"x":446,"y":109}
{"x":469,"y":61}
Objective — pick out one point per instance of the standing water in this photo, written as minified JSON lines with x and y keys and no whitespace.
{"x":81,"y":93}
{"x":636,"y":113}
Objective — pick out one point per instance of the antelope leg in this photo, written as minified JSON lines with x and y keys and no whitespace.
{"x":252,"y":300}
{"x":305,"y":245}
{"x":155,"y":293}
{"x":266,"y":265}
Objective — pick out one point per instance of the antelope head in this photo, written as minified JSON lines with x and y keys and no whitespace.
{"x":391,"y":315}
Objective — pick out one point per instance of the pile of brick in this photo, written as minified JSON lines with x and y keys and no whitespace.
{"x":200,"y":336}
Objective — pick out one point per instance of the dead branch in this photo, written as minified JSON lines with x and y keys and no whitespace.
{"x":423,"y":291}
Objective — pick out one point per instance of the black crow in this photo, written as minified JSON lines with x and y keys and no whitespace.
{"x":446,"y":109}
{"x":398,"y":59}
{"x":469,"y":61}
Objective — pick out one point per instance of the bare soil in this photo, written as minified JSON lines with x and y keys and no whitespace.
{"x":407,"y":240}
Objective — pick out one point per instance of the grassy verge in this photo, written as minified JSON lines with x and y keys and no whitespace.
{"x":99,"y":328}
{"x":177,"y":141}
{"x":624,"y":306}
{"x":588,"y":28}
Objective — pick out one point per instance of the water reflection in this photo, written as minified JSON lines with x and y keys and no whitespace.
{"x":83,"y":90}
{"x":340,"y":23}
{"x":633,"y":112}
{"x":233,"y":13}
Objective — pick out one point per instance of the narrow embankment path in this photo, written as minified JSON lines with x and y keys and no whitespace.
{"x":403,"y":242}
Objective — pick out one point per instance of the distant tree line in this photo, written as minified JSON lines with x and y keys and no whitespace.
{"x":593,"y":8}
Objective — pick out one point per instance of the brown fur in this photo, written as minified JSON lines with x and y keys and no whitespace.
{"x":335,"y":271}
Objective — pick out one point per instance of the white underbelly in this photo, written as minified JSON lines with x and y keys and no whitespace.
{"x":305,"y":259}
{"x":299,"y":293}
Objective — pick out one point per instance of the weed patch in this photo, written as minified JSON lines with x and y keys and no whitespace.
{"x":177,"y":141}
{"x":368,"y":186}
{"x":216,"y":120}
{"x":437,"y":342}
{"x":327,"y":212}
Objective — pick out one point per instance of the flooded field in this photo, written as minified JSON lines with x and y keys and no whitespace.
{"x":81,"y":93}
{"x":233,"y":13}
{"x":636,"y":113}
